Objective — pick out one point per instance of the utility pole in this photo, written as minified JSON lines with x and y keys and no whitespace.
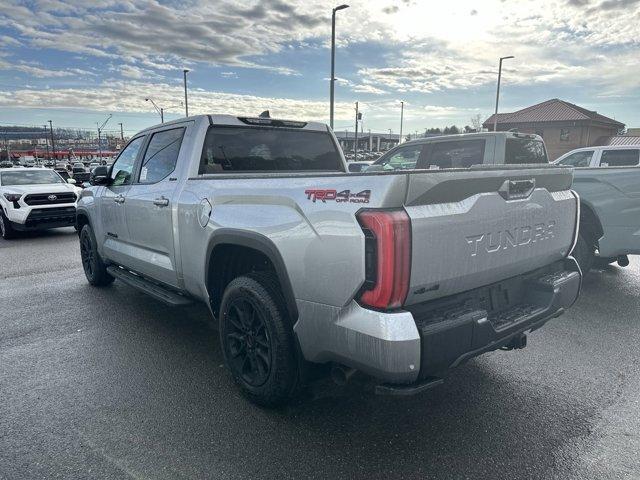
{"x":186,"y":103}
{"x":401,"y":119}
{"x":99,"y":136}
{"x":332,"y":80}
{"x":46,"y":142}
{"x":355,"y":146}
{"x":121,"y":133}
{"x":53,"y":145}
{"x":495,"y":117}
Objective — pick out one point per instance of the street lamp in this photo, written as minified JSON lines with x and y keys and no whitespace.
{"x":161,"y":110}
{"x":158,"y":109}
{"x":332,"y":81}
{"x":99,"y":132}
{"x":495,"y":117}
{"x":186,"y":103}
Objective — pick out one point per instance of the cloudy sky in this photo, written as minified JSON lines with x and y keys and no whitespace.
{"x":75,"y":61}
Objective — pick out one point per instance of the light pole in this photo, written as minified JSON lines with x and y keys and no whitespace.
{"x":332,"y":81}
{"x":121,"y":133}
{"x":158,"y":109}
{"x":401,"y":118}
{"x":53,"y":145}
{"x":186,"y":103}
{"x":355,"y":145}
{"x":495,"y":117}
{"x":99,"y":136}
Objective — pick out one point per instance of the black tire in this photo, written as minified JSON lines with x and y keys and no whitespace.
{"x":585,"y":253}
{"x":257,"y":339}
{"x":94,"y":268}
{"x":6,"y":229}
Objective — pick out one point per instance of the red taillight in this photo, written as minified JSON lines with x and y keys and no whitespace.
{"x":388,"y":257}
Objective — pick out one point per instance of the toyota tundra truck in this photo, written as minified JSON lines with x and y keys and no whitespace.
{"x":400,"y":275}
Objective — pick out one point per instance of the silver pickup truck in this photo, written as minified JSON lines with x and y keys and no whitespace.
{"x":400,"y":275}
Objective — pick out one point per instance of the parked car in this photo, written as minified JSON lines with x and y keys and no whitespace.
{"x":608,"y":182}
{"x":402,"y":276}
{"x":35,"y":199}
{"x":6,"y":164}
{"x":462,"y":151}
{"x":78,"y":167}
{"x":93,"y":165}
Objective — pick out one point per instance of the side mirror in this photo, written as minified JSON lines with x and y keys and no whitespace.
{"x":72,"y":181}
{"x":355,"y":168}
{"x":99,"y":176}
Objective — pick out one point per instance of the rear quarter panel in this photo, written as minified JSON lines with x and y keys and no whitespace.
{"x":321,"y":243}
{"x":613,"y":193}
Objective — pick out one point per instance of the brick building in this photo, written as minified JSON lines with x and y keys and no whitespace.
{"x":563,"y":125}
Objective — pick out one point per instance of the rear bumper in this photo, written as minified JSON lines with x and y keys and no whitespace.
{"x":428,"y":340}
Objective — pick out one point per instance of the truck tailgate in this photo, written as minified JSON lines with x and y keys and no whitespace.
{"x":478,"y":226}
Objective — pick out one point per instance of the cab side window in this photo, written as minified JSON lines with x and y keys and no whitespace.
{"x":578,"y":159}
{"x":121,"y":172}
{"x":161,"y":155}
{"x":455,"y":154}
{"x":620,"y":158}
{"x":404,"y":158}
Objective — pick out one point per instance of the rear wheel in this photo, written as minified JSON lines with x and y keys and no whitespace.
{"x":585,"y":253}
{"x":94,"y":268}
{"x":257,"y":339}
{"x":6,"y":229}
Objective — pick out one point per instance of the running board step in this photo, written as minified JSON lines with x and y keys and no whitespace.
{"x":156,"y":291}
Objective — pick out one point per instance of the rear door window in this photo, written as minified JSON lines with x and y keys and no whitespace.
{"x":524,"y":150}
{"x":620,"y":158}
{"x":161,"y":155}
{"x":578,"y":159}
{"x":267,"y":149}
{"x":455,"y":154}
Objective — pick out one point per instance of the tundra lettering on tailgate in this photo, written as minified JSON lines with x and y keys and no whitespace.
{"x":493,"y":242}
{"x":339,"y":197}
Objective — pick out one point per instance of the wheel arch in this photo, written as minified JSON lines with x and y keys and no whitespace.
{"x":223,"y":240}
{"x":590,"y":223}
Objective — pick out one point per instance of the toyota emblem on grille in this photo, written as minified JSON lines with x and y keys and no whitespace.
{"x":52,"y":198}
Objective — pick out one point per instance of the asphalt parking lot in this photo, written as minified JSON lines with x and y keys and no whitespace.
{"x":107,"y":383}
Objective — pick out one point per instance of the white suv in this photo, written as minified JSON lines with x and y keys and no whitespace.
{"x":612,"y":156}
{"x":35,"y":199}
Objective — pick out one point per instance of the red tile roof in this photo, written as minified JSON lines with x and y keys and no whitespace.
{"x":618,"y":140}
{"x":554,"y":110}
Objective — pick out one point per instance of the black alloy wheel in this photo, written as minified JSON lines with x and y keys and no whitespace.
{"x":248,"y":342}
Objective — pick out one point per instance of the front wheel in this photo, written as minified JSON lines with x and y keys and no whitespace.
{"x":94,"y":268}
{"x":257,"y":339}
{"x":6,"y":229}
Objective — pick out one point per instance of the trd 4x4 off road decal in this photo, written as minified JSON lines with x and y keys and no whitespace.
{"x":339,"y":197}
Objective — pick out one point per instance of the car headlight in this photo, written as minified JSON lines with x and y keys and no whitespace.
{"x":12,"y":197}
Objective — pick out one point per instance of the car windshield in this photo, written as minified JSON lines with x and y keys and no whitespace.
{"x":29,"y":177}
{"x":524,"y":150}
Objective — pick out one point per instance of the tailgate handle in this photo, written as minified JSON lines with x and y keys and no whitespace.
{"x":515,"y":189}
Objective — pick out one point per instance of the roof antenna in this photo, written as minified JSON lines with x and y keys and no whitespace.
{"x":265,"y":114}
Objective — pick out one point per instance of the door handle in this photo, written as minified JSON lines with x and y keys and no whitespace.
{"x":161,"y":202}
{"x":118,"y":199}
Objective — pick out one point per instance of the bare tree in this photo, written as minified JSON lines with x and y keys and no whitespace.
{"x":476,"y":122}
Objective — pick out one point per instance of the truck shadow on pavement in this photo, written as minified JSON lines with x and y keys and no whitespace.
{"x":490,"y":419}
